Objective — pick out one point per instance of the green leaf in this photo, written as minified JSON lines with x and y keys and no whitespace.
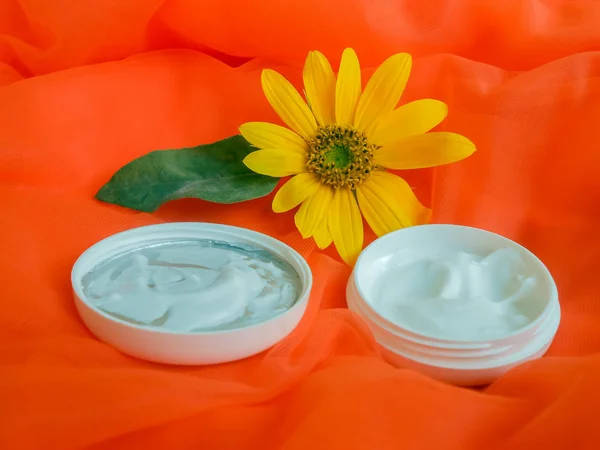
{"x":213,"y":172}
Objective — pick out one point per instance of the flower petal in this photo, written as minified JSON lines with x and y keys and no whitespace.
{"x":269,"y":135}
{"x":425,"y":150}
{"x":388,"y":203}
{"x":276,"y":163}
{"x":416,"y":117}
{"x":345,"y":225}
{"x":286,"y":102}
{"x":383,"y":91}
{"x":319,"y":83}
{"x":312,"y":211}
{"x":322,"y":235}
{"x":347,"y":88}
{"x":295,"y":191}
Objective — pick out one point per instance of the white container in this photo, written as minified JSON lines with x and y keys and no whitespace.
{"x":460,"y":362}
{"x":192,"y":348}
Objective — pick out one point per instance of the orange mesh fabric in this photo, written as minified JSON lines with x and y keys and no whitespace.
{"x":87,"y":86}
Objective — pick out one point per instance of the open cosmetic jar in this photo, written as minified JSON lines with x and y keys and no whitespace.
{"x":191,"y":293}
{"x":459,"y":304}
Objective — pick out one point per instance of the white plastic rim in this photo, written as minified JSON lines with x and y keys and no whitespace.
{"x":463,"y":362}
{"x":191,"y":348}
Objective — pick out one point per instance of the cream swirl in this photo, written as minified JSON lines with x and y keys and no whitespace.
{"x":193,"y":287}
{"x":459,"y":295}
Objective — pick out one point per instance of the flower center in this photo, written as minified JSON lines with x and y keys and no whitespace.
{"x":341,"y":156}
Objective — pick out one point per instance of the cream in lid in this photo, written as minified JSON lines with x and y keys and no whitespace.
{"x":187,"y":285}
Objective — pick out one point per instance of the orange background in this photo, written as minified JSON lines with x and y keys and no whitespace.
{"x":85,"y":86}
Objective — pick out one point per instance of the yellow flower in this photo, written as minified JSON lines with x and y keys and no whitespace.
{"x":339,"y":145}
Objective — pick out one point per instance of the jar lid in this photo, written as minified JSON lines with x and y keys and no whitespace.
{"x":191,"y":292}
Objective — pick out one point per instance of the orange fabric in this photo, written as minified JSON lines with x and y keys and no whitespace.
{"x":89,"y":85}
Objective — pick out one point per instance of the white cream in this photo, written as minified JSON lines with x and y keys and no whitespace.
{"x":193,"y":286}
{"x":458,"y":295}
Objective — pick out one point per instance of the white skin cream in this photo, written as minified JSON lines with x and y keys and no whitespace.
{"x":458,"y":295}
{"x":193,"y":286}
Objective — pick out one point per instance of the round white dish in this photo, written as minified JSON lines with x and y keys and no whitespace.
{"x":197,"y":347}
{"x":463,"y":362}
